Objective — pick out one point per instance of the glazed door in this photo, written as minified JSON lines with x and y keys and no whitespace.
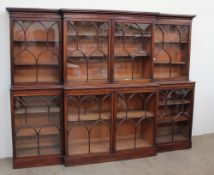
{"x":174,"y":115}
{"x":135,"y":119}
{"x":171,"y":57}
{"x":88,"y":125}
{"x":132,"y":56}
{"x":36,"y":54}
{"x":36,"y":125}
{"x":87,"y":51}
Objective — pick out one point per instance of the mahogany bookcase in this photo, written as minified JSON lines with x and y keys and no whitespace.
{"x":91,"y":86}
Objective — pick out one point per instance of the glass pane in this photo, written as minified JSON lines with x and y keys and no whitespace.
{"x":164,"y":132}
{"x":174,"y":114}
{"x":135,"y":120}
{"x":89,"y":124}
{"x":181,"y":131}
{"x":37,"y":125}
{"x":132,"y":51}
{"x":36,"y":51}
{"x":87,"y":51}
{"x":171,"y":51}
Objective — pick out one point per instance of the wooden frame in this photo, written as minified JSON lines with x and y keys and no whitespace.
{"x":30,"y":113}
{"x":34,"y":18}
{"x":177,"y":23}
{"x":113,"y":153}
{"x":186,"y":98}
{"x":131,"y":98}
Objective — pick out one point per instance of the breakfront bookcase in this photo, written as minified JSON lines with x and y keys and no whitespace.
{"x":95,"y":86}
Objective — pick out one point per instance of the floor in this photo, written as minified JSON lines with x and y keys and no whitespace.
{"x":196,"y":161}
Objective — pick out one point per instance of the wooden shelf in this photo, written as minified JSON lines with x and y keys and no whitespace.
{"x":116,"y":35}
{"x":92,"y":59}
{"x":173,"y":119}
{"x":127,"y":142}
{"x":32,"y":80}
{"x":29,"y":132}
{"x":128,"y":59}
{"x":34,"y":151}
{"x":104,"y":58}
{"x":89,"y":116}
{"x":130,"y":79}
{"x":39,"y":109}
{"x":74,"y":79}
{"x":171,"y":42}
{"x":87,"y":35}
{"x":31,"y":145}
{"x":168,"y":138}
{"x":146,"y":35}
{"x":87,"y":56}
{"x":168,"y":77}
{"x":36,"y":65}
{"x":172,"y":63}
{"x":81,"y":146}
{"x":134,"y":114}
{"x":93,"y":116}
{"x":174,"y":102}
{"x":36,"y":41}
{"x":143,"y":54}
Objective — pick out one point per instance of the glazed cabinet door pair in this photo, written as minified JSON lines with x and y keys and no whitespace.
{"x":105,"y":122}
{"x":105,"y":51}
{"x":36,"y":50}
{"x":37,"y":127}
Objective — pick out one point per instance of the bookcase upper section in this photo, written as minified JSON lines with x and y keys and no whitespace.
{"x":69,"y":47}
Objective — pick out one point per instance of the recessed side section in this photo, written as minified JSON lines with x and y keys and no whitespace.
{"x":174,"y":121}
{"x":171,"y":53}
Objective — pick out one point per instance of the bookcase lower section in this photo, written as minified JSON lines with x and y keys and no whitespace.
{"x":108,"y":157}
{"x":173,"y":146}
{"x":46,"y":160}
{"x":99,"y":125}
{"x":36,"y":161}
